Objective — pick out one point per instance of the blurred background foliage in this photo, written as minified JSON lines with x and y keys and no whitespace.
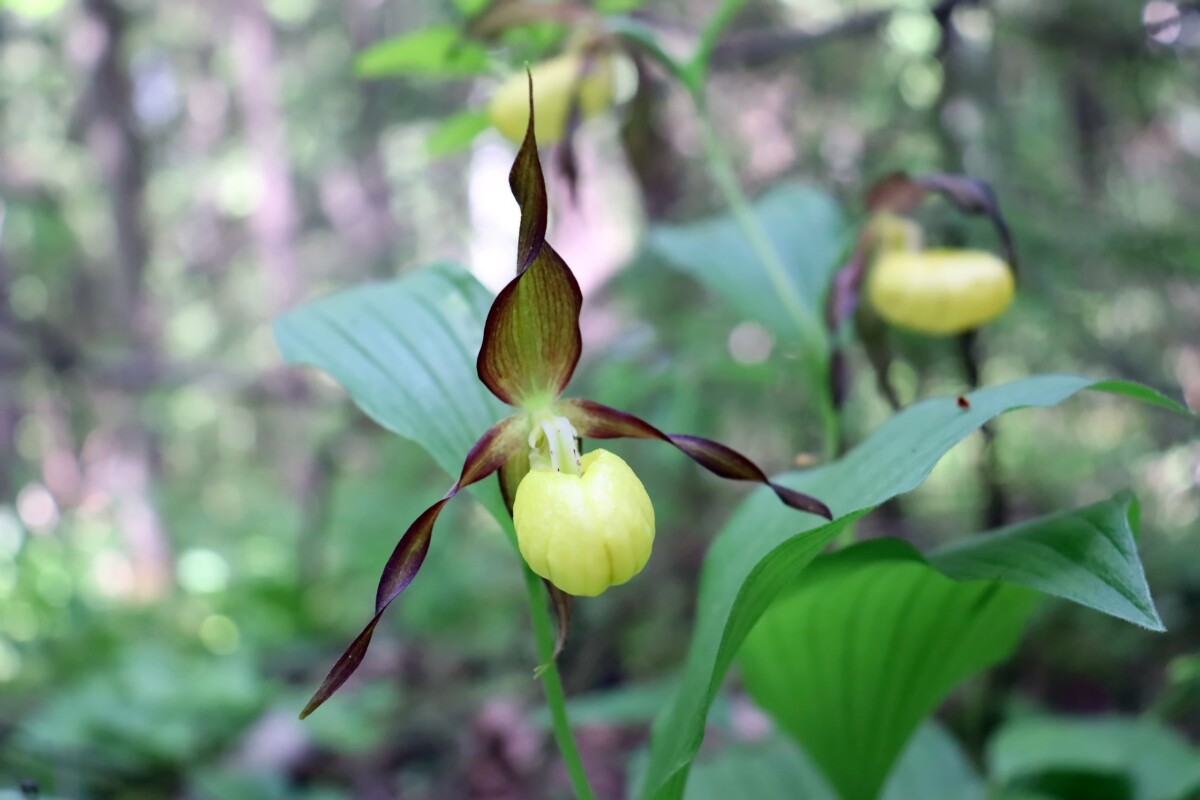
{"x":189,"y":532}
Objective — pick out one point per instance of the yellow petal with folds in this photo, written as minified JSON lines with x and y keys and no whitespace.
{"x":940,"y":292}
{"x":554,"y":82}
{"x":585,"y":533}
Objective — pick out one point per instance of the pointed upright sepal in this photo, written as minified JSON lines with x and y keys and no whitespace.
{"x":595,"y":421}
{"x":531,"y":341}
{"x":900,"y":193}
{"x":487,"y":455}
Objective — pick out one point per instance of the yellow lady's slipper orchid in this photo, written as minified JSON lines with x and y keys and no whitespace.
{"x":586,"y":523}
{"x":556,"y":82}
{"x":585,"y":532}
{"x":940,"y":291}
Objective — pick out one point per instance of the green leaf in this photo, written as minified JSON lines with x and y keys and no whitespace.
{"x":1088,"y":556}
{"x":618,"y":6}
{"x":763,"y":547}
{"x":808,"y":231}
{"x":439,"y":50}
{"x":774,"y":769}
{"x":455,"y":133}
{"x":865,"y":647}
{"x":469,"y":8}
{"x":405,"y":352}
{"x":874,"y":637}
{"x":720,"y":19}
{"x":1158,"y":763}
{"x":933,"y":766}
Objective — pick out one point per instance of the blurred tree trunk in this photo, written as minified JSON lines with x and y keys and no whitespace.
{"x":368,"y":204}
{"x":123,"y":451}
{"x":275,"y":219}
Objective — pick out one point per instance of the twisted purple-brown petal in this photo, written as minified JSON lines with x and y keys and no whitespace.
{"x":595,"y":421}
{"x":900,"y":193}
{"x":531,"y":340}
{"x":485,"y":457}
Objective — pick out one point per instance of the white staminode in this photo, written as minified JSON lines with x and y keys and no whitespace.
{"x":553,"y":445}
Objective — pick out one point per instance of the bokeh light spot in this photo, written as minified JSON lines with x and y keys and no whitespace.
{"x":750,"y":343}
{"x":916,"y":33}
{"x":113,"y":574}
{"x":1162,"y":21}
{"x":920,"y":83}
{"x":220,"y":634}
{"x":36,"y":508}
{"x":202,"y":571}
{"x":28,"y":297}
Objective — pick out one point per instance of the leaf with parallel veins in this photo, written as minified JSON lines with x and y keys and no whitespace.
{"x":595,"y":421}
{"x":531,"y":341}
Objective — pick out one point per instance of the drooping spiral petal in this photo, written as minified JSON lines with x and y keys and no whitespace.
{"x":900,"y":193}
{"x":595,"y":421}
{"x":485,"y":457}
{"x":531,"y":341}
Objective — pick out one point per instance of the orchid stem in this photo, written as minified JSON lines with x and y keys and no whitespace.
{"x":724,"y":175}
{"x":544,"y":634}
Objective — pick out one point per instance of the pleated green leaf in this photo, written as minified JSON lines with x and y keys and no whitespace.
{"x":405,"y":351}
{"x":808,"y":232}
{"x":865,"y":647}
{"x":932,"y":766}
{"x":1088,"y":556}
{"x":763,"y":547}
{"x":1153,"y":761}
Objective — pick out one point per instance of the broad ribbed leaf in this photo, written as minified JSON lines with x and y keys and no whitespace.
{"x":1088,"y":556}
{"x":763,"y":547}
{"x":807,"y":230}
{"x":492,"y":450}
{"x":437,"y":51}
{"x":865,"y":647}
{"x":775,"y":769}
{"x":1157,"y":763}
{"x":595,"y":421}
{"x":932,"y":766}
{"x":531,"y":341}
{"x":873,"y":638}
{"x":405,"y":352}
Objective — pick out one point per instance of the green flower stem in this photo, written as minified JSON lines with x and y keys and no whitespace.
{"x":725,"y":177}
{"x":543,"y":632}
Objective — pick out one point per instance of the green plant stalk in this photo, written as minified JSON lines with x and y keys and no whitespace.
{"x":725,"y":177}
{"x":543,"y":632}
